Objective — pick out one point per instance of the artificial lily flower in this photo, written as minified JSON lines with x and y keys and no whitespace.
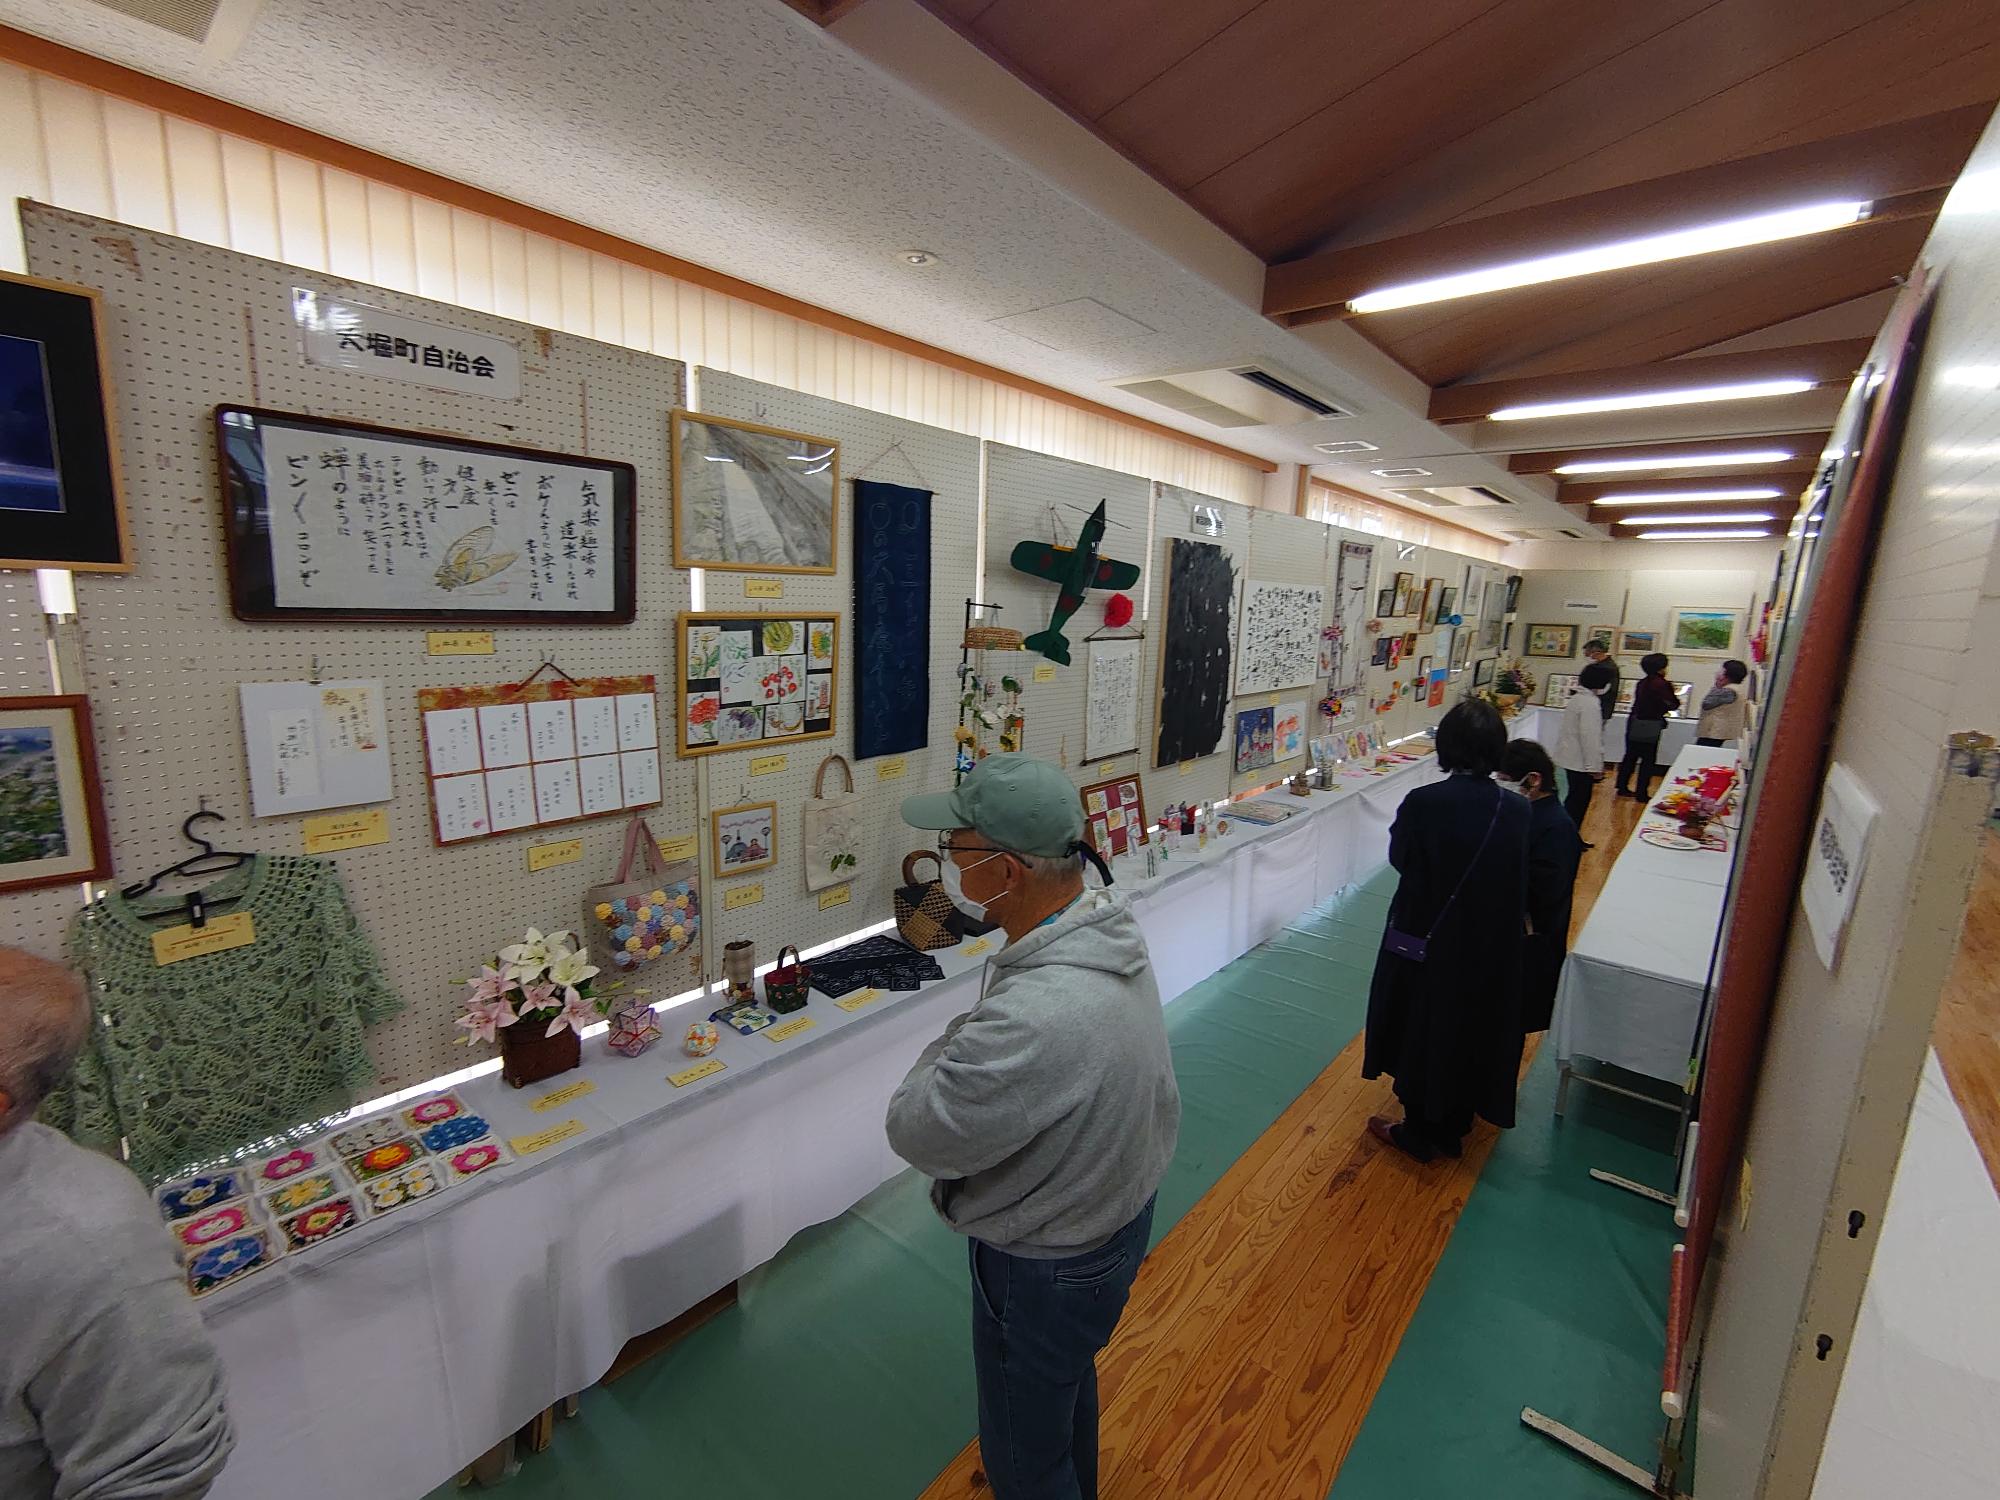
{"x":483,"y":1017}
{"x":490,"y":985}
{"x":569,"y":971}
{"x":576,"y":1014}
{"x":527,"y":959}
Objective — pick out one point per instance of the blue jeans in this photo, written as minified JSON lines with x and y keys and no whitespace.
{"x":1036,"y":1328}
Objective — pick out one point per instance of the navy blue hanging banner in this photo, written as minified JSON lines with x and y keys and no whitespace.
{"x":892,"y":619}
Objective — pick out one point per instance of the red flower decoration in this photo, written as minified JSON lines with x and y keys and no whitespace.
{"x":1117,"y":611}
{"x":386,"y":1158}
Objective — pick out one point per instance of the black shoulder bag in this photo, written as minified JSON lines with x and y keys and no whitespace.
{"x":1416,"y":949}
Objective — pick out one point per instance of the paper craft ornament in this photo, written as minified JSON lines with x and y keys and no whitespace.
{"x":700,"y":1039}
{"x":634,"y":1028}
{"x":1117,"y":611}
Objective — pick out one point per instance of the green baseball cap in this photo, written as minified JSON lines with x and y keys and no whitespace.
{"x":1018,"y":803}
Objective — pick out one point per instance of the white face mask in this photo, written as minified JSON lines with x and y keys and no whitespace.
{"x":952,"y":878}
{"x":1511,"y":786}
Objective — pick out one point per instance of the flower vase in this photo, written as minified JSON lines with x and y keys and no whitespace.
{"x":527,"y":1056}
{"x":1509,"y":704}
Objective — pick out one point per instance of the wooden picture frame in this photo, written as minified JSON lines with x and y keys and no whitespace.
{"x":1556,"y":688}
{"x":732,"y":821}
{"x":1550,"y":640}
{"x":793,"y":503}
{"x":1427,"y":614}
{"x":703,"y":698}
{"x":1385,"y":603}
{"x":1638,"y":642}
{"x":1124,"y":796}
{"x":1693,"y":631}
{"x":472,"y":563}
{"x":61,"y":502}
{"x":1404,"y":584}
{"x":52,"y":825}
{"x":1483,"y":671}
{"x":1447,"y":604}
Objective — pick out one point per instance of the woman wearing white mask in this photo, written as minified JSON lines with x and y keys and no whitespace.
{"x":1553,"y":852}
{"x":1579,"y":747}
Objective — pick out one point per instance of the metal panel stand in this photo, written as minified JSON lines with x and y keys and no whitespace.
{"x":1662,"y":1481}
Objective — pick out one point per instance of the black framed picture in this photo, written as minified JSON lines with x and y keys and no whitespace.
{"x":331,"y":520}
{"x":60,"y":505}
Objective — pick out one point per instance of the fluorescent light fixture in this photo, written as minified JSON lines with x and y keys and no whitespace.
{"x":1693,"y":536}
{"x":1978,"y":377}
{"x":1676,"y":461}
{"x":1748,"y":390}
{"x":1702,"y":239}
{"x":1685,"y":497}
{"x":1726,"y":518}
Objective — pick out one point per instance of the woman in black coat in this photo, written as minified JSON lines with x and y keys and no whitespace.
{"x":1554,"y":849}
{"x":1447,"y":1027}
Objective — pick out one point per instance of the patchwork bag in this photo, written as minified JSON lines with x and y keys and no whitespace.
{"x":832,"y":827}
{"x":924,"y":912}
{"x":632,"y":923}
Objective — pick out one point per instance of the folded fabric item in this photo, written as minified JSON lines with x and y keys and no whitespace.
{"x":880,"y":962}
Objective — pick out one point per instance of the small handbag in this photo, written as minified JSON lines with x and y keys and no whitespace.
{"x":1416,"y":949}
{"x":923,"y":910}
{"x":833,"y":828}
{"x":785,"y":986}
{"x":631,"y":923}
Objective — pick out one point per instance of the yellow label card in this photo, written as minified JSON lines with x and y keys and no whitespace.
{"x":840,"y":895}
{"x":546,"y":856}
{"x":763,"y":588}
{"x":337,"y":831}
{"x":459,"y":643}
{"x":707,"y":1068}
{"x":859,"y":999}
{"x":220,"y":935}
{"x":973,"y":950}
{"x":680,"y":848}
{"x":556,"y":1098}
{"x":890,"y":769}
{"x":767,"y":765}
{"x":790,"y":1029}
{"x":541,"y":1140}
{"x":742,"y":896}
{"x":1046,"y":672}
{"x":1187,"y":767}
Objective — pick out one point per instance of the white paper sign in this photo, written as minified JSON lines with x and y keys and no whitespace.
{"x":365,"y":522}
{"x":313,"y":745}
{"x":1278,"y":644}
{"x":1111,"y":699}
{"x":342,"y":335}
{"x":1836,"y":856}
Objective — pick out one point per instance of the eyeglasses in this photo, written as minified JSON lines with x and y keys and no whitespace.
{"x":946,"y":848}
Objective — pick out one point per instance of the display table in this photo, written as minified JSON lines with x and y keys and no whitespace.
{"x":1632,"y":987}
{"x":1545,"y":724}
{"x":381,"y":1363}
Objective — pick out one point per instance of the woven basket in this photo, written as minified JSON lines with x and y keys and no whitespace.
{"x":923,"y":910}
{"x":992,"y":638}
{"x":785,"y":986}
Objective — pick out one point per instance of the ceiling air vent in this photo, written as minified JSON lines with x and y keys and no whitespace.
{"x":189,"y":18}
{"x":1352,"y":445}
{"x":1402,"y":473}
{"x":1304,"y":400}
{"x":1238,"y":396}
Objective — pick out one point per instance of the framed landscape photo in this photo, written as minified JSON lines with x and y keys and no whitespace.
{"x":745,"y":838}
{"x":60,"y":505}
{"x":1638,"y":642}
{"x":1704,"y":632}
{"x":753,"y":499}
{"x":52,"y":829}
{"x":1551,"y":640}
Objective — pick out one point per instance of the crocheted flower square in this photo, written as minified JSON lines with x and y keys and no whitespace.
{"x":317,"y":1225}
{"x":220,"y":1264}
{"x":287,"y":1164}
{"x":302,"y":1192}
{"x":225,"y":1222}
{"x":455,"y":1132}
{"x":469,"y":1161}
{"x":379,"y":1161}
{"x":434,"y":1111}
{"x":196,"y":1195}
{"x":385,"y":1194}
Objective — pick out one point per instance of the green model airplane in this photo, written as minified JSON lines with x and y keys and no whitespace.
{"x":1075,"y":571}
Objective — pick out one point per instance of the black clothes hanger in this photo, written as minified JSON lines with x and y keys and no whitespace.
{"x":210,"y":861}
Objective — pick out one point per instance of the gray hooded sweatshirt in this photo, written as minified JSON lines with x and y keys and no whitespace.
{"x":1047,"y":1114}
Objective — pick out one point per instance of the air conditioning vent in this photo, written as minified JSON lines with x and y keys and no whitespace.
{"x":1352,"y":445}
{"x":188,"y":18}
{"x":1239,"y":396}
{"x":1265,"y":380}
{"x":1403,"y":473}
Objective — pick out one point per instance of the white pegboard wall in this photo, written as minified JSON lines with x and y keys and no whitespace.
{"x":947,"y":464}
{"x":1020,"y":489}
{"x":191,"y":326}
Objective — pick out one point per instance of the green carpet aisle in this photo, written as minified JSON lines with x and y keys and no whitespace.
{"x":1551,"y":1294}
{"x":845,"y":1370}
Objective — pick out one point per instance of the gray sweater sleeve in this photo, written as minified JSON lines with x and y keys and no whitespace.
{"x":1720,"y":697}
{"x":961,"y":1109}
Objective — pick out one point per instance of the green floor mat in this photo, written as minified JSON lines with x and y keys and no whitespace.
{"x":1553,"y":1294}
{"x":845,"y":1370}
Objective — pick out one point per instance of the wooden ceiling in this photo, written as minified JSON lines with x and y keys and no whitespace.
{"x":1339,"y":138}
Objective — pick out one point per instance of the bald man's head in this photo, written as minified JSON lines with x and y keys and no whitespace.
{"x":44,"y":1018}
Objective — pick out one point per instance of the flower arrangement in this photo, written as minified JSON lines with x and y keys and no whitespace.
{"x":543,"y":982}
{"x":1512,"y":686}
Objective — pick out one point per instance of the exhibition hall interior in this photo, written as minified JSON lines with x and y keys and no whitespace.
{"x":1016,"y":748}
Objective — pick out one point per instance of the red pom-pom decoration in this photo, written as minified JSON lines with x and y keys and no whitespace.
{"x":1117,"y":611}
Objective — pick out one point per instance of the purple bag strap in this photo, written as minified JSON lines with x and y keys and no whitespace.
{"x":1438,"y":920}
{"x":655,"y":864}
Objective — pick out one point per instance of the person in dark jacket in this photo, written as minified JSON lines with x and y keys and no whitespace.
{"x":1598,"y":651}
{"x":1652,"y":700}
{"x":1447,"y":1026}
{"x":1554,"y":848}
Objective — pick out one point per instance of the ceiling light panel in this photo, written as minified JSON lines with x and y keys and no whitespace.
{"x":1724,"y":518}
{"x":1676,"y":461}
{"x":1748,"y":390}
{"x":1685,"y":497}
{"x":1700,"y":535}
{"x":1702,"y":239}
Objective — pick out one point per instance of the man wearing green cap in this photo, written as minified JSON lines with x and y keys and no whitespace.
{"x":1046,"y":1116}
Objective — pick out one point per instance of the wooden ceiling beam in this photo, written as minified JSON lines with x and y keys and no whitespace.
{"x":1899,"y":168}
{"x":1547,"y":461}
{"x":1823,"y":364}
{"x":1786,"y":479}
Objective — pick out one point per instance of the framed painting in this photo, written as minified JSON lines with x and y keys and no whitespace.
{"x":1557,"y":688}
{"x":1482,"y":671}
{"x":52,"y":829}
{"x":336,"y":520}
{"x":1704,"y":632}
{"x":1385,"y":603}
{"x":1423,"y":669}
{"x":1191,"y":706}
{"x":1114,"y":816}
{"x":60,"y":505}
{"x":1551,"y":640}
{"x":1461,"y":648}
{"x":750,"y":681}
{"x":1255,"y":731}
{"x":1638,"y":642}
{"x":1405,"y":583}
{"x":744,"y":838}
{"x":753,"y":499}
{"x":1427,"y":611}
{"x":1447,"y":602}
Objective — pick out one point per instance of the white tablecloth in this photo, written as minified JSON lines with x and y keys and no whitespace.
{"x":1631,"y":989}
{"x":1544,"y":724}
{"x":385,"y":1361}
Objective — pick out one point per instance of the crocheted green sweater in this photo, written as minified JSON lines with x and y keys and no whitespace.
{"x":190,"y":1060}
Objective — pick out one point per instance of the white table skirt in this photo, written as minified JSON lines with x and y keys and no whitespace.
{"x":1544,"y":724}
{"x":383,"y":1362}
{"x":1631,"y":989}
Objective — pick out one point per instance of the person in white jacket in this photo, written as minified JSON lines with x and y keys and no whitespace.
{"x":1579,"y":747}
